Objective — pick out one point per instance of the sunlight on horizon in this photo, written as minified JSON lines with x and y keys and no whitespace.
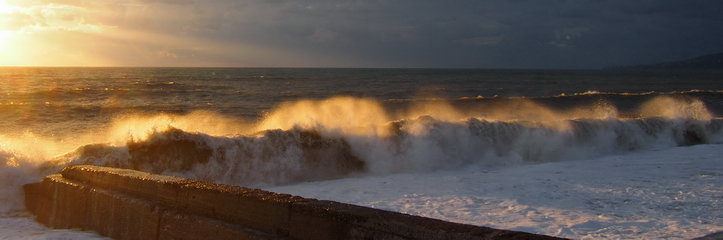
{"x":100,"y":33}
{"x":51,"y":33}
{"x":4,"y":7}
{"x":45,"y":34}
{"x":6,"y":46}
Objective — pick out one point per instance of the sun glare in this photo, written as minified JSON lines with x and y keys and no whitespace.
{"x":29,"y":36}
{"x":4,"y":7}
{"x":4,"y":34}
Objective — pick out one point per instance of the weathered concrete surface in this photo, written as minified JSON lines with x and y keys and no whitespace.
{"x":128,"y":204}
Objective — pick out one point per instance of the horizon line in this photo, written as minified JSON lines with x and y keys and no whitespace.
{"x":311,"y":67}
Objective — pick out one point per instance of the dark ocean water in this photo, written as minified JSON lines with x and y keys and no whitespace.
{"x":261,"y":127}
{"x":53,"y":101}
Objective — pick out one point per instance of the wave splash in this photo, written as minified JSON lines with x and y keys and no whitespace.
{"x":340,"y":137}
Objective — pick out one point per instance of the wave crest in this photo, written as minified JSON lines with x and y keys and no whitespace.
{"x":415,"y":145}
{"x":339,"y":137}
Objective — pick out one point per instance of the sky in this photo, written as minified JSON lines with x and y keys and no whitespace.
{"x":561,"y":34}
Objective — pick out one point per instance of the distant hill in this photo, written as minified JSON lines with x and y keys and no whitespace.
{"x":711,"y":61}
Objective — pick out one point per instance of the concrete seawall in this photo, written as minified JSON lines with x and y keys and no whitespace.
{"x":128,"y":204}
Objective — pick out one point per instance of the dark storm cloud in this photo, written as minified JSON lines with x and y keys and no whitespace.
{"x":424,"y":33}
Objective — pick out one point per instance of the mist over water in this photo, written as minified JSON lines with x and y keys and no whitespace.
{"x":261,"y":127}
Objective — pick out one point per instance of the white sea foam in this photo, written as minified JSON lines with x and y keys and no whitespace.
{"x":663,"y":194}
{"x":659,"y":194}
{"x":24,"y":228}
{"x":350,"y":137}
{"x":276,"y":157}
{"x":344,"y":136}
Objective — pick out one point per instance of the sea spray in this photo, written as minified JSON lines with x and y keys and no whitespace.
{"x":276,"y":157}
{"x":332,"y":138}
{"x":19,"y":164}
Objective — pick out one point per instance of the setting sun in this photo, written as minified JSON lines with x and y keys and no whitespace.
{"x":44,"y":33}
{"x":85,"y":33}
{"x":410,"y":119}
{"x":8,"y":32}
{"x":4,"y":7}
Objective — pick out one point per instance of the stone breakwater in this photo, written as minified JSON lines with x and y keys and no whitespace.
{"x":128,"y":204}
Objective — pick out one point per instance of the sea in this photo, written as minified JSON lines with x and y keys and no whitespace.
{"x":270,"y":127}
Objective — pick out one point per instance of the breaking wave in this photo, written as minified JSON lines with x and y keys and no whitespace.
{"x":276,"y":157}
{"x":595,"y":93}
{"x":344,"y":136}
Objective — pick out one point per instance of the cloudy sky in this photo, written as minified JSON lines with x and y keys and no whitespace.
{"x":360,"y":33}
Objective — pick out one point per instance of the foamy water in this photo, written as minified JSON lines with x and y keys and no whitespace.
{"x":293,"y":126}
{"x":344,"y":136}
{"x":674,"y":193}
